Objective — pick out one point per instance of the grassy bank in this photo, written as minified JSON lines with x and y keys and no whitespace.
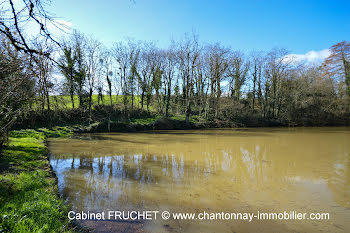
{"x":112,"y":119}
{"x":153,"y":123}
{"x":29,"y":200}
{"x":65,"y":102}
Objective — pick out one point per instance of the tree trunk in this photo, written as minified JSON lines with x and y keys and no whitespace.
{"x":142,"y":96}
{"x":90,"y":104}
{"x":254,"y":93}
{"x":72,"y":98}
{"x":48,"y":100}
{"x":167,"y":103}
{"x":347,"y":75}
{"x":132,"y":100}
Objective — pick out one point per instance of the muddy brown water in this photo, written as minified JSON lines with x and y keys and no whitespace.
{"x":306,"y":170}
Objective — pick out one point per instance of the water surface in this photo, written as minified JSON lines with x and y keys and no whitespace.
{"x":230,"y":170}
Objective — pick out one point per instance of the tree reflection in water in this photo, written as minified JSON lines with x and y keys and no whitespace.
{"x":222,"y":170}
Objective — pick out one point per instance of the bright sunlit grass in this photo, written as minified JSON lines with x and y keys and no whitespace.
{"x":29,"y":200}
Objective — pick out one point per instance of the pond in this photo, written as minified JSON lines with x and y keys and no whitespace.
{"x":258,"y":170}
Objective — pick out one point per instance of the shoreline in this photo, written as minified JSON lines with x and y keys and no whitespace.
{"x":168,"y":124}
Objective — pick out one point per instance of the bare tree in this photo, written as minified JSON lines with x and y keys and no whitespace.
{"x":16,"y":14}
{"x":92,"y":65}
{"x":16,"y":85}
{"x":106,"y":62}
{"x":146,"y":67}
{"x":44,"y":82}
{"x":188,"y":55}
{"x":218,"y":61}
{"x":121,"y":55}
{"x":170,"y":62}
{"x":80,"y":70}
{"x":134,"y":55}
{"x":238,"y":69}
{"x":276,"y":69}
{"x":256,"y":71}
{"x":158,"y":81}
{"x":203,"y":83}
{"x":338,"y":63}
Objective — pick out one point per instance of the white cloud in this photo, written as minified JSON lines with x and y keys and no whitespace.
{"x":310,"y":58}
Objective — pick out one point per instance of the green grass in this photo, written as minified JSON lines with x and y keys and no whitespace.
{"x":64,"y":101}
{"x":58,"y":131}
{"x":143,"y":121}
{"x":29,"y":200}
{"x":42,"y":133}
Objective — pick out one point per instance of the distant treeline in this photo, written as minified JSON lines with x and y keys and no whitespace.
{"x":210,"y":82}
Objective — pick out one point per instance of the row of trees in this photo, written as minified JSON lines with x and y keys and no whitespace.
{"x":210,"y":81}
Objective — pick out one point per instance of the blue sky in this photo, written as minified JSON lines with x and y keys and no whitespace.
{"x":299,"y":26}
